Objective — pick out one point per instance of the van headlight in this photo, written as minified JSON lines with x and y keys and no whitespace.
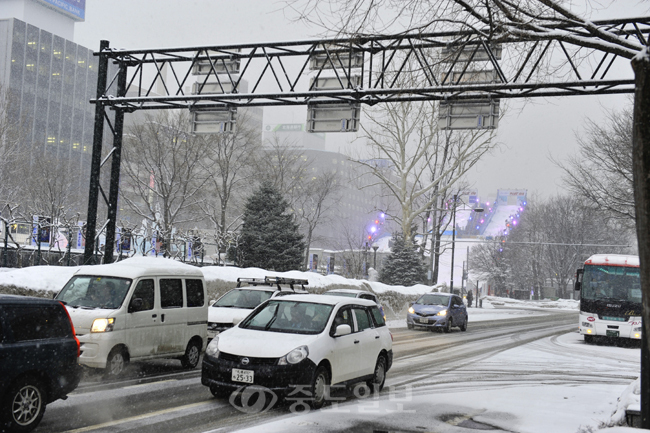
{"x":442,"y":313}
{"x":213,"y":348}
{"x":102,"y":325}
{"x":295,"y":356}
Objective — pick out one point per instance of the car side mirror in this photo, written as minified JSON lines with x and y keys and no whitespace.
{"x":578,"y":283}
{"x":136,"y":305}
{"x":342,"y":330}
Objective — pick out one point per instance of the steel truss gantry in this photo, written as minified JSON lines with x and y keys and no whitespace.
{"x":447,"y":66}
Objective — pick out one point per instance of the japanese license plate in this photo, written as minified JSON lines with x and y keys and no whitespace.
{"x":609,"y":333}
{"x":424,"y":320}
{"x":245,"y":376}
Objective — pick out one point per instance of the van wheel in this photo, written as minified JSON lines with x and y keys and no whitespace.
{"x":116,"y":362}
{"x":192,"y":354}
{"x":24,"y":405}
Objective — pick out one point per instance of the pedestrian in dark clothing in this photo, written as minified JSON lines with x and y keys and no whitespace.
{"x":470,"y":296}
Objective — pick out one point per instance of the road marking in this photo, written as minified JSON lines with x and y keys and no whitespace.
{"x":140,"y":417}
{"x":148,"y":384}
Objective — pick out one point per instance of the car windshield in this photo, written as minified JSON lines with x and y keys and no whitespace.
{"x":94,"y":292}
{"x":243,"y":298}
{"x":432,"y":299}
{"x":290,"y":316}
{"x":345,"y":294}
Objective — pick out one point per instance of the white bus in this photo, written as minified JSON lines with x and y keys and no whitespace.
{"x":610,"y":297}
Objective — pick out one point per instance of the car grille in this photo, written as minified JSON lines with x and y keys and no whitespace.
{"x":252,"y":361}
{"x":425,"y":314}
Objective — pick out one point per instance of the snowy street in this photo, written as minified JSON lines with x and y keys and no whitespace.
{"x":528,"y":372}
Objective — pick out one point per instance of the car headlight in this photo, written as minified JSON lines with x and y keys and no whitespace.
{"x":213,"y":348}
{"x":442,"y":313}
{"x":102,"y":325}
{"x":411,"y":310}
{"x":295,"y":356}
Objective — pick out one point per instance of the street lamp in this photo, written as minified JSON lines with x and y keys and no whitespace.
{"x":375,"y":247}
{"x":453,"y":240}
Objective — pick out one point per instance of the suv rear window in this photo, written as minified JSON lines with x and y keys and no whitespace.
{"x":37,"y":322}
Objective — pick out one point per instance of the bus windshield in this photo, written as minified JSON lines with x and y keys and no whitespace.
{"x":618,"y":283}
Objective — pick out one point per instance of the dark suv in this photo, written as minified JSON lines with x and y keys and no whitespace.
{"x":39,"y":355}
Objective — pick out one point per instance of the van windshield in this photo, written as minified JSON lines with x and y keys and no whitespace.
{"x":94,"y":292}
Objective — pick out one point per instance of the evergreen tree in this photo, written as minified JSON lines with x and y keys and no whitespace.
{"x":404,"y":266}
{"x":269,"y":237}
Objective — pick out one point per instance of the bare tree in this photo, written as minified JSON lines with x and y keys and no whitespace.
{"x":12,"y":151}
{"x":229,"y":166}
{"x":310,"y":193}
{"x":602,"y":170}
{"x":54,"y":192}
{"x":283,"y":165}
{"x":552,"y":240}
{"x":163,"y":169}
{"x":406,"y":134}
{"x":352,"y":257}
{"x":315,"y":205}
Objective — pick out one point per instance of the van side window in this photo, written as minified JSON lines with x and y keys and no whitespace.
{"x":144,"y":290}
{"x":171,"y":293}
{"x":195,"y":296}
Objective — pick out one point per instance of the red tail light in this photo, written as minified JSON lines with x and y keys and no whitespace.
{"x":74,"y":334}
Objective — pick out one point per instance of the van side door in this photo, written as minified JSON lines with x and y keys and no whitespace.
{"x":143,"y":319}
{"x":173,"y":316}
{"x":197,"y":310}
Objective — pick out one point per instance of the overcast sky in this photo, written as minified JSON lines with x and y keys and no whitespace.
{"x":530,"y":132}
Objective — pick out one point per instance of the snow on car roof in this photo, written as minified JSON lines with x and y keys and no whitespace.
{"x":135,"y":267}
{"x":329,"y":300}
{"x":613,"y":260}
{"x":439,"y":293}
{"x":348,"y":291}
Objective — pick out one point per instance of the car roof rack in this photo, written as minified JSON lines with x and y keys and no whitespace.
{"x":274,"y":281}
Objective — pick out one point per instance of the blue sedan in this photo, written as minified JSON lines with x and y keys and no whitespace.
{"x":437,"y":311}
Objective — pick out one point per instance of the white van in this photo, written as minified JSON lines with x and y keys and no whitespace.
{"x":137,"y":309}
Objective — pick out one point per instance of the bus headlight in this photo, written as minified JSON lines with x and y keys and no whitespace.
{"x":102,"y":325}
